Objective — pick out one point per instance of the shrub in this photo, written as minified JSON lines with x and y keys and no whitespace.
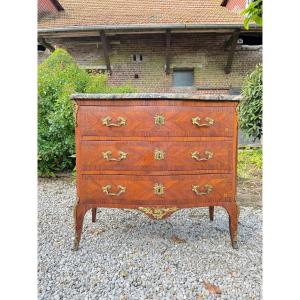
{"x":58,"y":77}
{"x":98,"y":84}
{"x":250,"y":109}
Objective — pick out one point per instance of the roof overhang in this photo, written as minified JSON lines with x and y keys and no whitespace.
{"x":143,"y":28}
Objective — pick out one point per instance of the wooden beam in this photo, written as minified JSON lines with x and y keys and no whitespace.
{"x":228,"y":42}
{"x":224,"y":2}
{"x":57,"y":5}
{"x":47,"y":45}
{"x":87,"y":40}
{"x":234,"y":40}
{"x":105,"y":46}
{"x":168,"y":50}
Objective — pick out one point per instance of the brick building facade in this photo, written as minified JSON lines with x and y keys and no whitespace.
{"x":197,"y":46}
{"x":203,"y":54}
{"x":196,"y":43}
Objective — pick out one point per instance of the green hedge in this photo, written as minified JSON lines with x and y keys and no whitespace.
{"x":58,"y":77}
{"x":251,"y":107}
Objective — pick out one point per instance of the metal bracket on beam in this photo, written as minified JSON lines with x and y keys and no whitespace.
{"x":105,"y":45}
{"x":233,"y":42}
{"x":168,"y":50}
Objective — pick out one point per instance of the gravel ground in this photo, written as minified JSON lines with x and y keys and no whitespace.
{"x":125,"y":255}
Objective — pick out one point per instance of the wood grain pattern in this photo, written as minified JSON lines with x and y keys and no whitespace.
{"x":141,"y":155}
{"x":140,"y":121}
{"x":140,"y":189}
{"x":140,"y":172}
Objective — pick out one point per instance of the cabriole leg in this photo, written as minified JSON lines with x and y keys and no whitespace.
{"x":233,"y":212}
{"x":94,"y":212}
{"x":79,"y":213}
{"x":211,"y":213}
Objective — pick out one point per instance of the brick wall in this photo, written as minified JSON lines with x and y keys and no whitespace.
{"x":203,"y":52}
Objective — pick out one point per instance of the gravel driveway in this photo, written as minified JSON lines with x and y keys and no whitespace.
{"x":125,"y":255}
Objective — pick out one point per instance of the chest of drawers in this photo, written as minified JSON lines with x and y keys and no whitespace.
{"x":156,"y":153}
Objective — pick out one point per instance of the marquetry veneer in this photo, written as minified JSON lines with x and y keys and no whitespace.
{"x":156,"y":153}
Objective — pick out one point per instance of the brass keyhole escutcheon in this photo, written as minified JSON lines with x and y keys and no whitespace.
{"x":159,"y":189}
{"x":159,"y":119}
{"x":159,"y":154}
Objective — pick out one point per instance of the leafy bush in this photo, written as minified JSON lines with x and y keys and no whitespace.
{"x":58,"y":77}
{"x":98,"y":84}
{"x":250,"y":109}
{"x":253,"y":13}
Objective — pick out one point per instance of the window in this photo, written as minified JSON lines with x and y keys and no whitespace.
{"x":235,"y":91}
{"x":252,"y":39}
{"x":137,"y":57}
{"x":182,"y":78}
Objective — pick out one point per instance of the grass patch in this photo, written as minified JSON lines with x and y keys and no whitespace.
{"x":250,"y":163}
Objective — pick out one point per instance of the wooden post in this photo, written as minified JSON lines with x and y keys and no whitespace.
{"x":46,"y":44}
{"x":168,"y":48}
{"x":229,"y":41}
{"x":234,"y":40}
{"x":105,"y":46}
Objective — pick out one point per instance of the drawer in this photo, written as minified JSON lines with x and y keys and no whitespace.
{"x":181,"y":190}
{"x":156,"y":121}
{"x":155,"y":156}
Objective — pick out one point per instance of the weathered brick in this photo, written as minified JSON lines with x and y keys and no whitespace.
{"x":204,"y":53}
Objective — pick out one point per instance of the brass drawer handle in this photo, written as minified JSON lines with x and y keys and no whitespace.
{"x":107,"y":121}
{"x":106,"y":190}
{"x":208,"y":189}
{"x":209,"y":122}
{"x":108,"y":156}
{"x":208,"y":155}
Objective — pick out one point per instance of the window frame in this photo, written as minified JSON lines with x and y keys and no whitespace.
{"x":137,"y":57}
{"x":192,"y":70}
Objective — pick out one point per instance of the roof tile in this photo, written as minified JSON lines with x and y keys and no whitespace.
{"x":139,"y":12}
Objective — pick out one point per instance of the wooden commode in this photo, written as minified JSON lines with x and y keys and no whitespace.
{"x":156,"y":153}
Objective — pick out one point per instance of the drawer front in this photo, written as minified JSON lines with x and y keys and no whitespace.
{"x":155,"y":121}
{"x":155,"y":156}
{"x":181,"y":190}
